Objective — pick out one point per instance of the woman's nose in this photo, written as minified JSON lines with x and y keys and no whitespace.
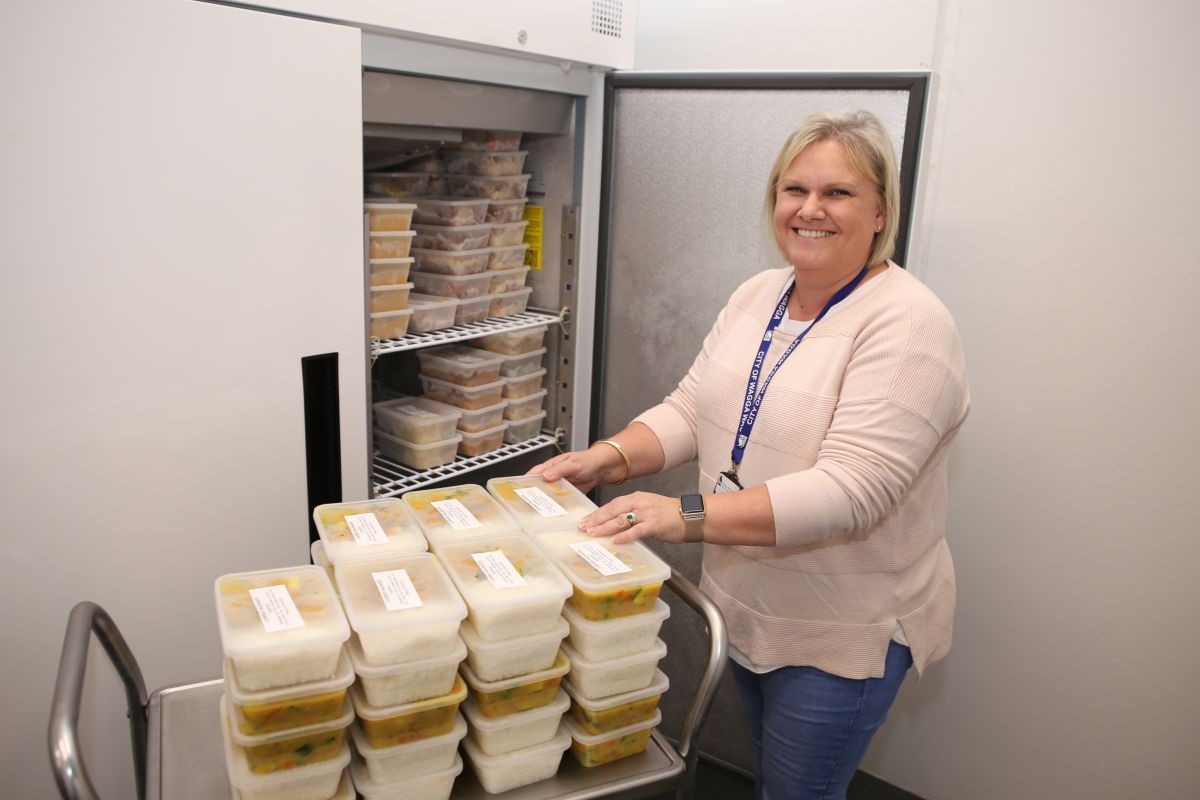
{"x":811,"y":208}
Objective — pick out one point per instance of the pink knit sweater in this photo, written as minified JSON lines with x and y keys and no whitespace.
{"x":851,"y":442}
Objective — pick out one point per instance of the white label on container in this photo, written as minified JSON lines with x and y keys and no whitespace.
{"x":540,"y":502}
{"x":365,"y":529}
{"x":456,"y":515}
{"x":498,"y":570}
{"x":601,"y":560}
{"x":276,"y":609}
{"x":397,"y":590}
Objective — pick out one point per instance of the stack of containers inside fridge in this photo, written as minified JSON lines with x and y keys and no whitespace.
{"x":390,"y":242}
{"x":405,"y":649}
{"x":417,"y":431}
{"x":468,"y":380}
{"x":285,"y":710}
{"x":522,"y":373}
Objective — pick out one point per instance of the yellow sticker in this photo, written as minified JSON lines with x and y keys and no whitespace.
{"x":533,"y":235}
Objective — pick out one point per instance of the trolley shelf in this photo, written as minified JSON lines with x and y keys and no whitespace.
{"x":415,"y":341}
{"x":391,"y":479}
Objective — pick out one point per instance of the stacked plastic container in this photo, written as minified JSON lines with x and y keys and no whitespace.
{"x":391,"y":238}
{"x":523,"y":376}
{"x":468,"y":380}
{"x":417,"y":431}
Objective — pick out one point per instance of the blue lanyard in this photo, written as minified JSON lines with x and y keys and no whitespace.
{"x":755,"y":393}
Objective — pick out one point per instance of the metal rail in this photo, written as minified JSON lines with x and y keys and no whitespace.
{"x":392,"y":479}
{"x":515,"y":322}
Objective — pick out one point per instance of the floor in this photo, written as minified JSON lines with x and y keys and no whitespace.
{"x":716,"y":782}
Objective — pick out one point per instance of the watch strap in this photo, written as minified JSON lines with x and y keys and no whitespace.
{"x":693,"y":521}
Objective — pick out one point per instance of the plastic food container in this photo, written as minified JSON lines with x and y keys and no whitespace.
{"x":391,"y":244}
{"x":426,"y":162}
{"x":592,"y":680}
{"x":289,"y":749}
{"x":519,"y":767}
{"x":510,"y":588}
{"x":417,"y":419}
{"x":508,"y":234}
{"x":510,"y":302}
{"x":508,"y":279}
{"x":435,"y":785}
{"x":525,"y":408}
{"x":462,"y":366}
{"x":287,"y":708}
{"x":460,"y":286}
{"x":513,"y":343}
{"x":510,"y":187}
{"x":314,"y":781}
{"x":403,"y":608}
{"x":473,"y":310}
{"x":520,"y":693}
{"x":409,"y":681}
{"x":480,"y":442}
{"x":389,"y":216}
{"x":471,"y":398}
{"x":522,"y":365}
{"x":390,"y":298}
{"x":430,"y":312}
{"x":390,"y":271}
{"x":523,"y":386}
{"x":440,"y":211}
{"x":471,"y":421}
{"x":505,"y":210}
{"x":617,"y":637}
{"x":404,"y":761}
{"x":396,"y":184}
{"x":540,"y":505}
{"x":508,"y":658}
{"x":608,"y":714}
{"x":417,"y":456}
{"x":452,"y":237}
{"x":610,"y":580}
{"x":492,"y":162}
{"x":388,"y":726}
{"x":525,"y":429}
{"x":500,"y":735}
{"x":390,"y":324}
{"x":317,"y":549}
{"x":592,"y":750}
{"x":437,"y":184}
{"x":452,"y":262}
{"x":297,"y":635}
{"x":458,"y":512}
{"x":489,"y":140}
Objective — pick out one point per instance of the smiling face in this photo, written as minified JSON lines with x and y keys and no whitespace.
{"x":826,"y":212}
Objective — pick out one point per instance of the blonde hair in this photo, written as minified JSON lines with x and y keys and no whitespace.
{"x":869,"y":149}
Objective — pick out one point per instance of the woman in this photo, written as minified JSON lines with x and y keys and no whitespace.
{"x":821,"y":409}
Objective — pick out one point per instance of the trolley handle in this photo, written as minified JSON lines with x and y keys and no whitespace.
{"x":66,"y":757}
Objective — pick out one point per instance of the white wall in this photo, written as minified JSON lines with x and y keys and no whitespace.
{"x":1058,"y":221}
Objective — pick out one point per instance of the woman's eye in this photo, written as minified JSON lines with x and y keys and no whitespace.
{"x":838,"y":193}
{"x":793,"y":189}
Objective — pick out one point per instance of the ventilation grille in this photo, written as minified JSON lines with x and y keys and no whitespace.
{"x":606,"y":18}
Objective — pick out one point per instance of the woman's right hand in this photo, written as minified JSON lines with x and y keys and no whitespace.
{"x":582,"y":468}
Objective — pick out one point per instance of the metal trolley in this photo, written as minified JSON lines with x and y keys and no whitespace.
{"x":177,"y":746}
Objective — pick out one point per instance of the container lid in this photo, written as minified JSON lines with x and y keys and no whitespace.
{"x":343,"y":677}
{"x":421,"y":448}
{"x":397,"y":592}
{"x":429,"y":301}
{"x":458,"y":511}
{"x":502,"y":572}
{"x":472,"y":436}
{"x":456,"y":695}
{"x":483,"y":299}
{"x":590,"y":740}
{"x":659,"y":685}
{"x":478,"y":277}
{"x":481,"y":646}
{"x":388,"y":204}
{"x":317,"y":549}
{"x":514,"y":201}
{"x":392,"y":234}
{"x":529,"y":376}
{"x":581,"y":664}
{"x":417,"y":410}
{"x":246,"y":740}
{"x":466,"y":412}
{"x":245,"y":780}
{"x":521,"y":223}
{"x":515,"y":292}
{"x":555,"y":708}
{"x":469,"y":391}
{"x":424,"y":251}
{"x":391,"y":287}
{"x":497,"y":273}
{"x":449,"y":201}
{"x":397,"y":174}
{"x":426,"y":228}
{"x":370,"y":751}
{"x":404,"y":312}
{"x":561,"y":667}
{"x":541,"y":505}
{"x":370,"y":788}
{"x":597,"y":565}
{"x":560,"y":742}
{"x":527,"y":400}
{"x":367,"y":528}
{"x":278,"y":610}
{"x":657,"y":613}
{"x":361,"y":667}
{"x":458,"y":356}
{"x":489,"y":178}
{"x":407,"y":260}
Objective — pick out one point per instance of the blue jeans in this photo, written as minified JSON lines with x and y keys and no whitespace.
{"x":811,"y":729}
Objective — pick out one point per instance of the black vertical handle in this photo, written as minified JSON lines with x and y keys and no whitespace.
{"x":322,"y":433}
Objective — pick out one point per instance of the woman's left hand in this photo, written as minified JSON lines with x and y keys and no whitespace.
{"x":637,"y":516}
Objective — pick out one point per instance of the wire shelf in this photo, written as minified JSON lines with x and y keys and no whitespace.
{"x":392,"y":479}
{"x":415,"y":341}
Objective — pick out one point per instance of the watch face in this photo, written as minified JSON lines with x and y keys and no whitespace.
{"x":692,"y":504}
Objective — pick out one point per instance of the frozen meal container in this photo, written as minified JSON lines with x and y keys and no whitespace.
{"x":510,"y":187}
{"x":522,"y":365}
{"x":510,"y":588}
{"x":592,"y":750}
{"x":520,"y":693}
{"x":508,"y":658}
{"x":474,"y":310}
{"x":403,"y":761}
{"x":525,"y":408}
{"x":452,"y":262}
{"x":621,"y":636}
{"x":508,"y":234}
{"x":610,"y":580}
{"x":403,"y":608}
{"x":437,"y":184}
{"x":388,"y":726}
{"x":619,"y":710}
{"x":390,"y":324}
{"x":541,"y":505}
{"x":458,"y":512}
{"x":505,"y":210}
{"x":520,"y":767}
{"x":463,"y":366}
{"x":452,"y":237}
{"x":523,"y":386}
{"x":525,"y":429}
{"x":593,"y":680}
{"x":491,"y":162}
{"x":426,"y":162}
{"x":429,"y":785}
{"x":367,"y":528}
{"x":417,"y":419}
{"x":513,"y":343}
{"x":488,"y":140}
{"x":480,"y":442}
{"x":472,"y":421}
{"x":507,"y":303}
{"x":280,"y":626}
{"x":388,"y":216}
{"x":314,"y":781}
{"x":471,"y":398}
{"x":289,"y":749}
{"x":317,"y":551}
{"x":460,"y":286}
{"x":289,"y":707}
{"x":447,"y":211}
{"x":390,"y":298}
{"x":390,"y":271}
{"x":431,"y":313}
{"x":507,"y":279}
{"x":499,"y":735}
{"x":391,"y":244}
{"x":395,"y":184}
{"x":409,"y":681}
{"x":417,"y":456}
